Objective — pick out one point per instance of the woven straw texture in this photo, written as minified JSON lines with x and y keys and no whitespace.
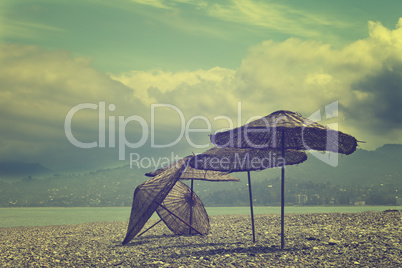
{"x":148,"y":196}
{"x":300,"y":134}
{"x":245,"y":159}
{"x":179,"y":202}
{"x":195,"y":174}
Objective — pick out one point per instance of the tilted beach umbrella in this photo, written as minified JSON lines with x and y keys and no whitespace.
{"x":194,"y":174}
{"x":176,"y":209}
{"x":245,"y":159}
{"x":286,"y":130}
{"x":183,"y":203}
{"x":148,"y":196}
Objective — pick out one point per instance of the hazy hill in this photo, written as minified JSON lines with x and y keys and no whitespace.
{"x":362,"y":168}
{"x":106,"y":187}
{"x":363,"y":175}
{"x":17,"y":169}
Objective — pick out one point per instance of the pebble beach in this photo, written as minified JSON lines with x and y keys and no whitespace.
{"x":368,"y":239}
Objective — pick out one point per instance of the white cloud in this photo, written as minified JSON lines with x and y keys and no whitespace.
{"x":21,"y":28}
{"x":224,"y":19}
{"x":271,"y":15}
{"x":153,"y":3}
{"x":297,"y":75}
{"x":304,"y":76}
{"x":164,"y":4}
{"x":37,"y":89}
{"x":148,"y":84}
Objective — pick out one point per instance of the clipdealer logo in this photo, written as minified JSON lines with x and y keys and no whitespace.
{"x":330,"y":112}
{"x":148,"y":130}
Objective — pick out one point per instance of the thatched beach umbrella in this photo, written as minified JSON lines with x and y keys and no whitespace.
{"x":181,"y":201}
{"x":299,"y":133}
{"x":148,"y":196}
{"x":194,"y":174}
{"x":286,"y":130}
{"x":245,"y":159}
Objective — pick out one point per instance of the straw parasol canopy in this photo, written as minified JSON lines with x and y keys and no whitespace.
{"x":182,"y":202}
{"x":195,"y":174}
{"x":300,"y":133}
{"x":148,"y":196}
{"x":245,"y":159}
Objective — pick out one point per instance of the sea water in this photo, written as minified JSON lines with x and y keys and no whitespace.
{"x":41,"y":216}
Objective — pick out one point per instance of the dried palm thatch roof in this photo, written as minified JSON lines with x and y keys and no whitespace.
{"x":245,"y":159}
{"x":179,"y":201}
{"x":148,"y":196}
{"x":195,"y":174}
{"x":300,"y":134}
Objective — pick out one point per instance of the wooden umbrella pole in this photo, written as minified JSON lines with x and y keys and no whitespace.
{"x":149,"y":228}
{"x":191,"y":206}
{"x":171,"y":212}
{"x":251,"y":204}
{"x":283,"y":194}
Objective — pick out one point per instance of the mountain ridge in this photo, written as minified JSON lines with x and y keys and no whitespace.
{"x":363,"y":170}
{"x":14,"y":169}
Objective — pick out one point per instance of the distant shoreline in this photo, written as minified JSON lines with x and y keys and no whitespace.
{"x":301,"y":206}
{"x":43,"y":216}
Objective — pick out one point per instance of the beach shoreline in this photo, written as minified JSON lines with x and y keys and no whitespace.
{"x":318,"y":239}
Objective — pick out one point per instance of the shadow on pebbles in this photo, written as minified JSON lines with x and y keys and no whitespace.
{"x":369,"y":239}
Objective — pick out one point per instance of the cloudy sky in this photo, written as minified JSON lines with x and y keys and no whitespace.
{"x":84,"y":83}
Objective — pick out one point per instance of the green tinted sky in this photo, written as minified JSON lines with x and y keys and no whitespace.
{"x":202,"y":57}
{"x":121,"y":35}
